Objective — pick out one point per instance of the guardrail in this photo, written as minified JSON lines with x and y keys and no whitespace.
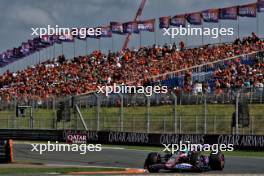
{"x":40,"y":135}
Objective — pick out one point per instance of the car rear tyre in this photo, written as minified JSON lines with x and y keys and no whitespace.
{"x":194,"y":159}
{"x":217,"y":161}
{"x":152,"y":158}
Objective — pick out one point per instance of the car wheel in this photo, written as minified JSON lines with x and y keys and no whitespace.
{"x":217,"y":161}
{"x":152,"y":158}
{"x":194,"y":158}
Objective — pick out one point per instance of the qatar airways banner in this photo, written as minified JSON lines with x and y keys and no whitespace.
{"x":247,"y":142}
{"x":250,"y":142}
{"x":80,"y":137}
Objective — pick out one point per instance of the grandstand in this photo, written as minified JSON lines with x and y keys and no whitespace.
{"x":206,"y":79}
{"x":145,"y":66}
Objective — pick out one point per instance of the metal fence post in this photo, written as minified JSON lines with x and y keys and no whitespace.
{"x":180,"y":125}
{"x":53,"y":104}
{"x":13,"y":118}
{"x":54,"y":123}
{"x":76,"y":119}
{"x":97,"y":112}
{"x":261,"y":95}
{"x":31,"y":119}
{"x":148,"y":116}
{"x":205,"y":115}
{"x":13,"y":122}
{"x":214,"y":124}
{"x":121,"y":120}
{"x":174,"y":112}
{"x":133,"y":123}
{"x":251,"y":97}
{"x":237,"y":99}
{"x":252,"y":125}
{"x":196,"y":124}
{"x":164,"y":125}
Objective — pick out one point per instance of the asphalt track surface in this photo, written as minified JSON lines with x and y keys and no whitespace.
{"x":118,"y":157}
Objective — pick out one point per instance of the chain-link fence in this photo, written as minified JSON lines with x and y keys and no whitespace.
{"x":225,"y":113}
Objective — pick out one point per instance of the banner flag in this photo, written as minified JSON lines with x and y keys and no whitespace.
{"x":131,"y":27}
{"x":38,"y":44}
{"x":147,"y":25}
{"x":66,"y":37}
{"x":4,"y":57}
{"x":56,"y":39}
{"x":164,"y":22}
{"x":9,"y":54}
{"x":106,"y":31}
{"x":32,"y":47}
{"x":211,"y":15}
{"x":116,"y":27}
{"x":3,"y":62}
{"x":79,"y":33}
{"x":260,"y":5}
{"x":16,"y":53}
{"x":249,"y":10}
{"x":94,"y":35}
{"x":178,"y":20}
{"x":46,"y":39}
{"x":25,"y":48}
{"x":194,"y":18}
{"x":229,"y":13}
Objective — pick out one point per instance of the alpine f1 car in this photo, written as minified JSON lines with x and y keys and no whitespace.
{"x":192,"y":161}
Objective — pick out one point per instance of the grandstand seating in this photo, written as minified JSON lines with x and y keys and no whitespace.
{"x":59,"y":77}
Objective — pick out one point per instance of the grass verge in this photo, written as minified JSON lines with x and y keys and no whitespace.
{"x":190,"y":119}
{"x":60,"y":170}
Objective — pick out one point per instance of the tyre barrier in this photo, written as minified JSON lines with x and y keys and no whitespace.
{"x":6,"y":151}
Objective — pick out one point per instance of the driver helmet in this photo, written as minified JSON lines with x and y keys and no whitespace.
{"x":186,"y":150}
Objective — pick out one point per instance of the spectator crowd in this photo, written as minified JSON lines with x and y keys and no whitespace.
{"x":60,"y":77}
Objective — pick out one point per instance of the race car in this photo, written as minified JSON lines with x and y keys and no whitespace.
{"x":192,"y":161}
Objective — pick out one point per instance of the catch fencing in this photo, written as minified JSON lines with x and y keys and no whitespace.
{"x":160,"y":113}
